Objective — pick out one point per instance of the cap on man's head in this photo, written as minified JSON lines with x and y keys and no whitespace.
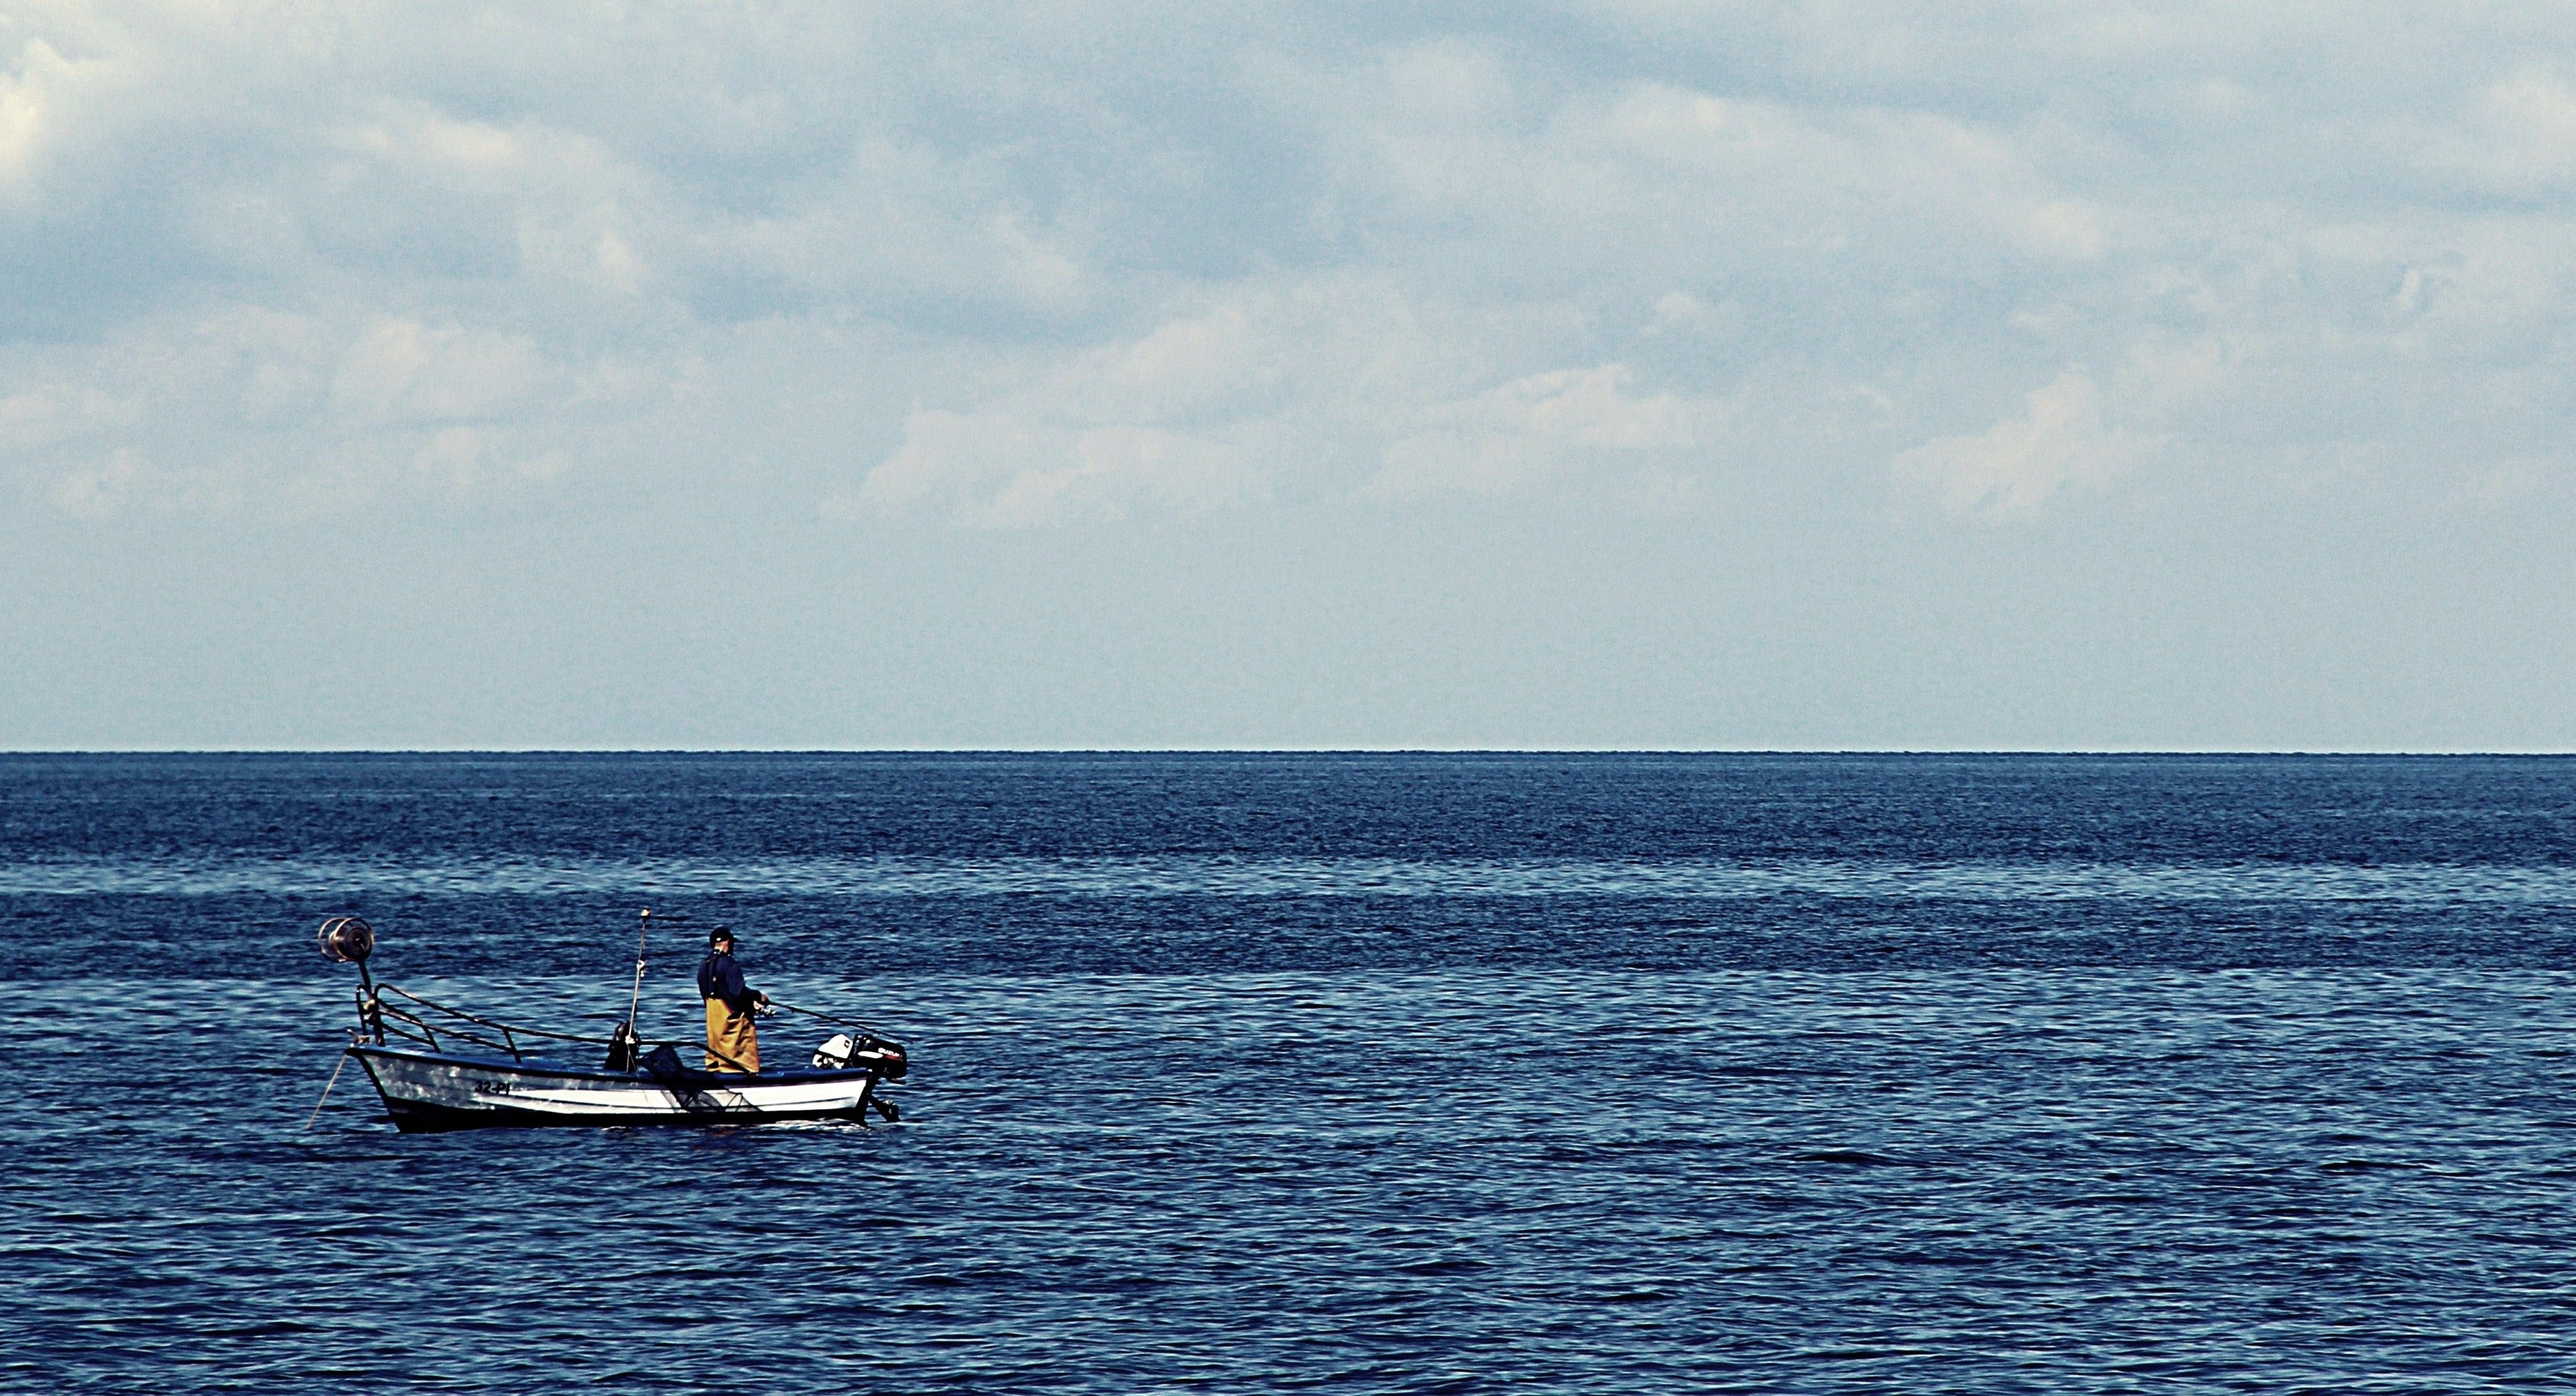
{"x":719,"y":936}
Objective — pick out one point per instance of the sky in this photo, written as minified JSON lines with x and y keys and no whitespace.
{"x":1633,"y":374}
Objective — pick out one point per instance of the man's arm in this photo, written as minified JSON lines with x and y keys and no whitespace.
{"x":739,"y":996}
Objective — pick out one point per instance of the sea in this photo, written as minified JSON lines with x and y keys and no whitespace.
{"x":1317,"y":1073}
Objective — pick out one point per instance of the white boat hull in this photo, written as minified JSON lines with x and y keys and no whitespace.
{"x":441,"y":1090}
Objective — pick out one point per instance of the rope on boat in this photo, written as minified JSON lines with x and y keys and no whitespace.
{"x":326,"y":1092}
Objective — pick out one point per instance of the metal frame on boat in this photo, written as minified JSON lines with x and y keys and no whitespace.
{"x":411,"y":1047}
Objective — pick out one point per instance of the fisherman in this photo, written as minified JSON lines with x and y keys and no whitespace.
{"x":733,"y":1044}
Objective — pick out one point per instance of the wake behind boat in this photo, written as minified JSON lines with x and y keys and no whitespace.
{"x":439,"y":1068}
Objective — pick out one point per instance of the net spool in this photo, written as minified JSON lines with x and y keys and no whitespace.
{"x":347,"y":940}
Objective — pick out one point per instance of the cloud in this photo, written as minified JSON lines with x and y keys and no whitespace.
{"x":404,"y":370}
{"x":2015,"y":466}
{"x":2516,"y":137}
{"x":23,"y":112}
{"x":103,"y":488}
{"x":47,"y":102}
{"x":1091,"y":259}
{"x":1201,"y":410}
{"x":249,"y":408}
{"x":464,"y":275}
{"x":1169,"y":418}
{"x":1537,"y":426}
{"x":904,"y":223}
{"x":998,"y":471}
{"x":475,"y":461}
{"x":1321,"y":389}
{"x":43,"y":417}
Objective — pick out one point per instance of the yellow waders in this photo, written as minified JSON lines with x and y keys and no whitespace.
{"x":732,"y":1034}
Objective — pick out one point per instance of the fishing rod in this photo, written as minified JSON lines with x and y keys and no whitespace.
{"x":623,"y":1043}
{"x":643,"y":924}
{"x":861,"y":1029}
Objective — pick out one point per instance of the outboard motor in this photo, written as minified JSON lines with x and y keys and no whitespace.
{"x":835,"y":1052}
{"x":842,"y":1050}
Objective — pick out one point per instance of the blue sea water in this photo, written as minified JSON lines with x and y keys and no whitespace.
{"x":1370,"y":1073}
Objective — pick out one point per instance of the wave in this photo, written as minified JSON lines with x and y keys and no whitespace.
{"x":1219,"y":876}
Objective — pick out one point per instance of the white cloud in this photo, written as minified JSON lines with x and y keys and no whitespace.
{"x":1199,"y":411}
{"x":404,"y":370}
{"x":901,"y":221}
{"x":1266,"y":392}
{"x":2165,"y":373}
{"x":473,"y":461}
{"x":45,"y":101}
{"x":45,"y":416}
{"x":1155,"y":420}
{"x":455,"y":455}
{"x":2015,"y":466}
{"x":1257,"y":263}
{"x":999,"y":471}
{"x":1537,"y":426}
{"x":2514,"y":481}
{"x":2517,"y":136}
{"x":23,"y":111}
{"x":247,"y":407}
{"x":102,"y":488}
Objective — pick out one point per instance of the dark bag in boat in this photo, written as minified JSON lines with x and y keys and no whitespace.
{"x":663,"y":1063}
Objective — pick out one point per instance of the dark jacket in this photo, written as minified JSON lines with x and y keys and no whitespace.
{"x":721,"y":978}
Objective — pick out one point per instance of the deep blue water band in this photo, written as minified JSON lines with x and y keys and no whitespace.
{"x":1341,"y":1073}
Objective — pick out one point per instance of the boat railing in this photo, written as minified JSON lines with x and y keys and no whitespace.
{"x":382,"y":1018}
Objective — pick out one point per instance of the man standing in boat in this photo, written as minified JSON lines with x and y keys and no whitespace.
{"x":733,"y":1044}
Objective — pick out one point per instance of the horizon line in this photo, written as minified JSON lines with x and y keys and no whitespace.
{"x":2106,"y":751}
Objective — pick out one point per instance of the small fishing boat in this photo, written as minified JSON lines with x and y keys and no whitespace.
{"x":441,"y":1068}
